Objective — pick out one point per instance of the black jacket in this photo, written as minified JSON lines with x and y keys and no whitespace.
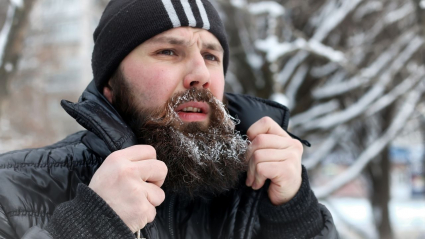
{"x":43,"y":191}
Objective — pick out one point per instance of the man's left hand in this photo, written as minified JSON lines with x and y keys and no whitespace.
{"x":274,"y":155}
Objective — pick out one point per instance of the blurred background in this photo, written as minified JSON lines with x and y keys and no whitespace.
{"x":351,"y":72}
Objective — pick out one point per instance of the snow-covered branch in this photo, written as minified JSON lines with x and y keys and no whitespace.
{"x":367,"y":8}
{"x":325,"y":148}
{"x":314,"y":112}
{"x":274,"y":9}
{"x":393,"y":95}
{"x":364,"y":102}
{"x":368,"y":73}
{"x":404,"y":113}
{"x":5,"y":31}
{"x":295,"y":84}
{"x":334,"y":19}
{"x":400,"y":13}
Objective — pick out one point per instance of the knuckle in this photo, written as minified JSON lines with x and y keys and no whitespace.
{"x":161,"y":195}
{"x":162,"y":166}
{"x":150,"y":149}
{"x":259,"y":140}
{"x":260,"y":169}
{"x":266,"y":120}
{"x":151,"y":214}
{"x":257,"y":156}
{"x":298,"y":145}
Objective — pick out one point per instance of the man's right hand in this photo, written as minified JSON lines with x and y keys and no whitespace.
{"x":129,"y":180}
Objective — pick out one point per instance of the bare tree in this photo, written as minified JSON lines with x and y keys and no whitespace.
{"x":13,"y":19}
{"x":350,"y":71}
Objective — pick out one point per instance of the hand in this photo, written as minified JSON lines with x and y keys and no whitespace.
{"x":129,"y":180}
{"x":274,"y":155}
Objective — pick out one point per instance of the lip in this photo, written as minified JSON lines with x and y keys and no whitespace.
{"x":192,"y":116}
{"x":205,"y":108}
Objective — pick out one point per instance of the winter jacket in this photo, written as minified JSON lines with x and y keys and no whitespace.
{"x":43,"y":192}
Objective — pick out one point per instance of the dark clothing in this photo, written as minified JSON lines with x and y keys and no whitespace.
{"x":43,"y":192}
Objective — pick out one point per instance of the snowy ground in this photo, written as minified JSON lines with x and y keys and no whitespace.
{"x":352,"y":215}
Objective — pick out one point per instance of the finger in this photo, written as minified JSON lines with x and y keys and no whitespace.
{"x":268,"y":141}
{"x":137,"y":153}
{"x":153,"y":171}
{"x":265,"y":125}
{"x":264,"y":155}
{"x":154,"y":194}
{"x":267,"y":170}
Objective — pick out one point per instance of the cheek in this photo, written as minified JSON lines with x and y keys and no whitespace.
{"x":217,"y":85}
{"x":152,"y":85}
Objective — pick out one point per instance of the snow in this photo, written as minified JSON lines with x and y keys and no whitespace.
{"x":5,"y":31}
{"x":368,"y":73}
{"x":398,"y":91}
{"x":314,"y":112}
{"x":274,"y":49}
{"x":290,"y":67}
{"x":274,"y":9}
{"x":254,"y":60}
{"x":349,"y":113}
{"x":368,"y":8}
{"x":325,"y":148}
{"x":422,"y":4}
{"x":369,"y":97}
{"x":405,"y":216}
{"x":334,"y":19}
{"x":400,"y":13}
{"x":325,"y":70}
{"x":325,"y":51}
{"x":238,"y":3}
{"x":295,"y":84}
{"x":8,"y":67}
{"x":18,"y":3}
{"x":280,"y":98}
{"x":397,"y":124}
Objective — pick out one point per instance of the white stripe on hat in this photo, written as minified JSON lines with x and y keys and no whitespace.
{"x":172,"y":14}
{"x":204,"y":15}
{"x":189,"y":13}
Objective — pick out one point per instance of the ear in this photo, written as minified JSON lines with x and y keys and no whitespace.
{"x":107,"y":92}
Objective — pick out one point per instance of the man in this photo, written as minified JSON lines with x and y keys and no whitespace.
{"x":161,"y":156}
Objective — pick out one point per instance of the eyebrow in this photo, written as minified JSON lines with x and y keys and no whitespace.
{"x":181,"y":42}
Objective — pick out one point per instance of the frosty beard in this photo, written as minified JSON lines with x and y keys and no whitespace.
{"x":202,"y":160}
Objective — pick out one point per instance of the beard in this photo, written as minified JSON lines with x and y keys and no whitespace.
{"x":202,"y":159}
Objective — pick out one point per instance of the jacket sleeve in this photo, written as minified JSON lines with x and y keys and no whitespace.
{"x":87,"y":216}
{"x":6,"y":230}
{"x":301,"y":217}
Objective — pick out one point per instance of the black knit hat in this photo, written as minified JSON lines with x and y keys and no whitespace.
{"x":125,"y":24}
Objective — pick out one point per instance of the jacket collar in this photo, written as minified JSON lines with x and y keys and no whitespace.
{"x":94,"y":112}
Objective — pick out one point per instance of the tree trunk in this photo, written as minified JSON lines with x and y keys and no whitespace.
{"x":14,"y":46}
{"x":380,"y":172}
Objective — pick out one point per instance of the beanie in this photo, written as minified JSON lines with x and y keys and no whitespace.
{"x":125,"y":24}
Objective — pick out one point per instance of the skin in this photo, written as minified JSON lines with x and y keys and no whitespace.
{"x":172,"y":62}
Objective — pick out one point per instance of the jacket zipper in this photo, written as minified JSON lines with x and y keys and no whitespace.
{"x":170,"y":216}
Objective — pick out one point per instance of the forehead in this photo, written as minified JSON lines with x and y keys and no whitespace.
{"x":187,"y":36}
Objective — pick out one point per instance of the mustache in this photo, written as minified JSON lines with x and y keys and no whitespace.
{"x":167,"y":115}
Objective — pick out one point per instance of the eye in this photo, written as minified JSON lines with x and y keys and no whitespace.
{"x":167,"y":52}
{"x":211,"y":57}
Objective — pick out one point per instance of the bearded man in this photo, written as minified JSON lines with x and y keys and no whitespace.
{"x":166,"y":153}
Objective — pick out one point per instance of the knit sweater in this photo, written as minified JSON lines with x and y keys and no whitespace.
{"x":89,"y":216}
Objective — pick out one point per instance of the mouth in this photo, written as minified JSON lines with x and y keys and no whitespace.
{"x":193,"y":111}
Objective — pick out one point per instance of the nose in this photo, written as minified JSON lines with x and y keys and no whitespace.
{"x":198,"y":74}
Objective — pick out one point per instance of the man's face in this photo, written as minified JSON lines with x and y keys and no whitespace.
{"x":172,"y":62}
{"x":169,"y":90}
